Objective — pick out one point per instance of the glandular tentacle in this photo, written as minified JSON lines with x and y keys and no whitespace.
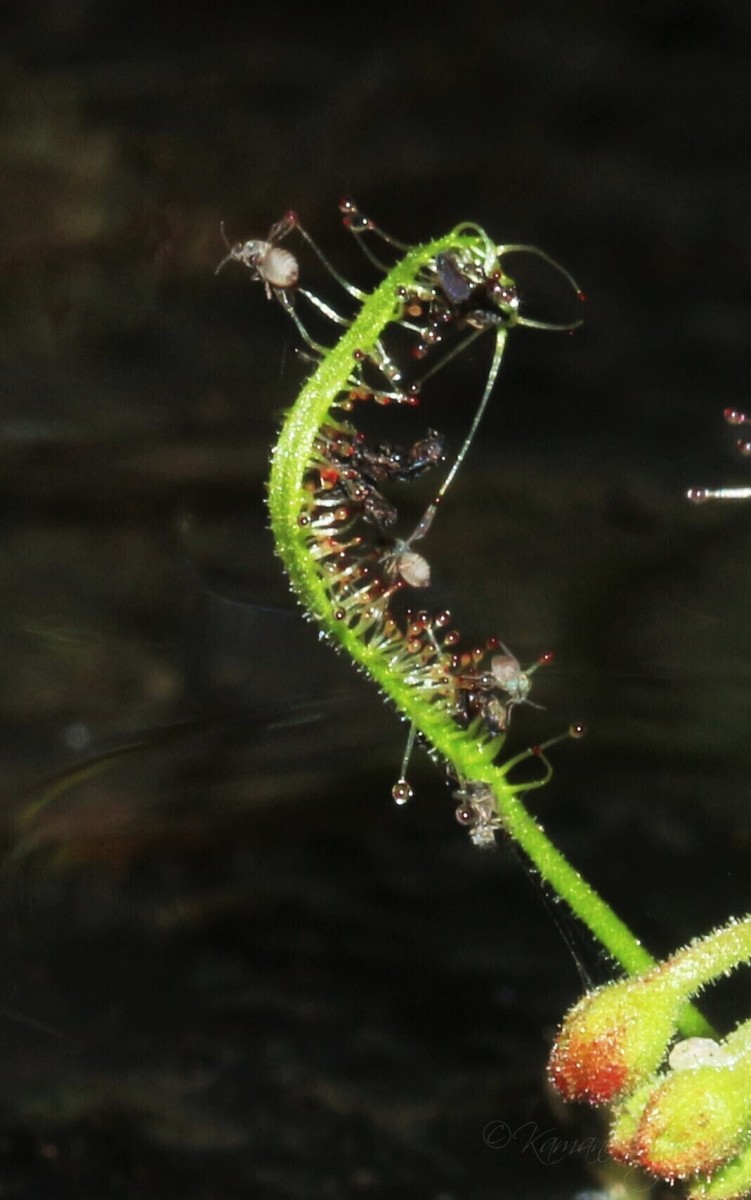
{"x":334,"y":493}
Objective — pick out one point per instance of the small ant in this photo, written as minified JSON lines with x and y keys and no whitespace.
{"x":279,"y":272}
{"x":277,"y":269}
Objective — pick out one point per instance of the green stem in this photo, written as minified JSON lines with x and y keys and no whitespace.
{"x":566,"y":881}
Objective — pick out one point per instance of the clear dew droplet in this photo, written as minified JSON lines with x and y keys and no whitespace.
{"x":697,"y":495}
{"x":402,"y":791}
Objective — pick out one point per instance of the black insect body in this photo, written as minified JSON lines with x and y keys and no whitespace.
{"x":355,"y":469}
{"x":475,"y":696}
{"x":468,"y":297}
{"x":397,"y":463}
{"x":453,"y":281}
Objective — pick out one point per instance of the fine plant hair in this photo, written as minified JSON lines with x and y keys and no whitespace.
{"x":636,"y":1045}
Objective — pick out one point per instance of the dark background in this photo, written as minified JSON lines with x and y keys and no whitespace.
{"x":231,"y":968}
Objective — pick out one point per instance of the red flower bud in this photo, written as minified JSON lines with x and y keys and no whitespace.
{"x":614,"y":1038}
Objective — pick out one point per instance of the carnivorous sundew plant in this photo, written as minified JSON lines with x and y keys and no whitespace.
{"x":681,"y":1097}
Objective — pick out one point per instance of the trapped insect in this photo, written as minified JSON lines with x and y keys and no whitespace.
{"x":336,"y":531}
{"x":508,"y":674}
{"x":411,"y":566}
{"x":276,"y":268}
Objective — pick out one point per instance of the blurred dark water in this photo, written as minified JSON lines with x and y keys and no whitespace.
{"x":231,"y":968}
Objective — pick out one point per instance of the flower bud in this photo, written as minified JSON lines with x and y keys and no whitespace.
{"x":731,"y":1182}
{"x":614,"y":1038}
{"x":691,"y":1124}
